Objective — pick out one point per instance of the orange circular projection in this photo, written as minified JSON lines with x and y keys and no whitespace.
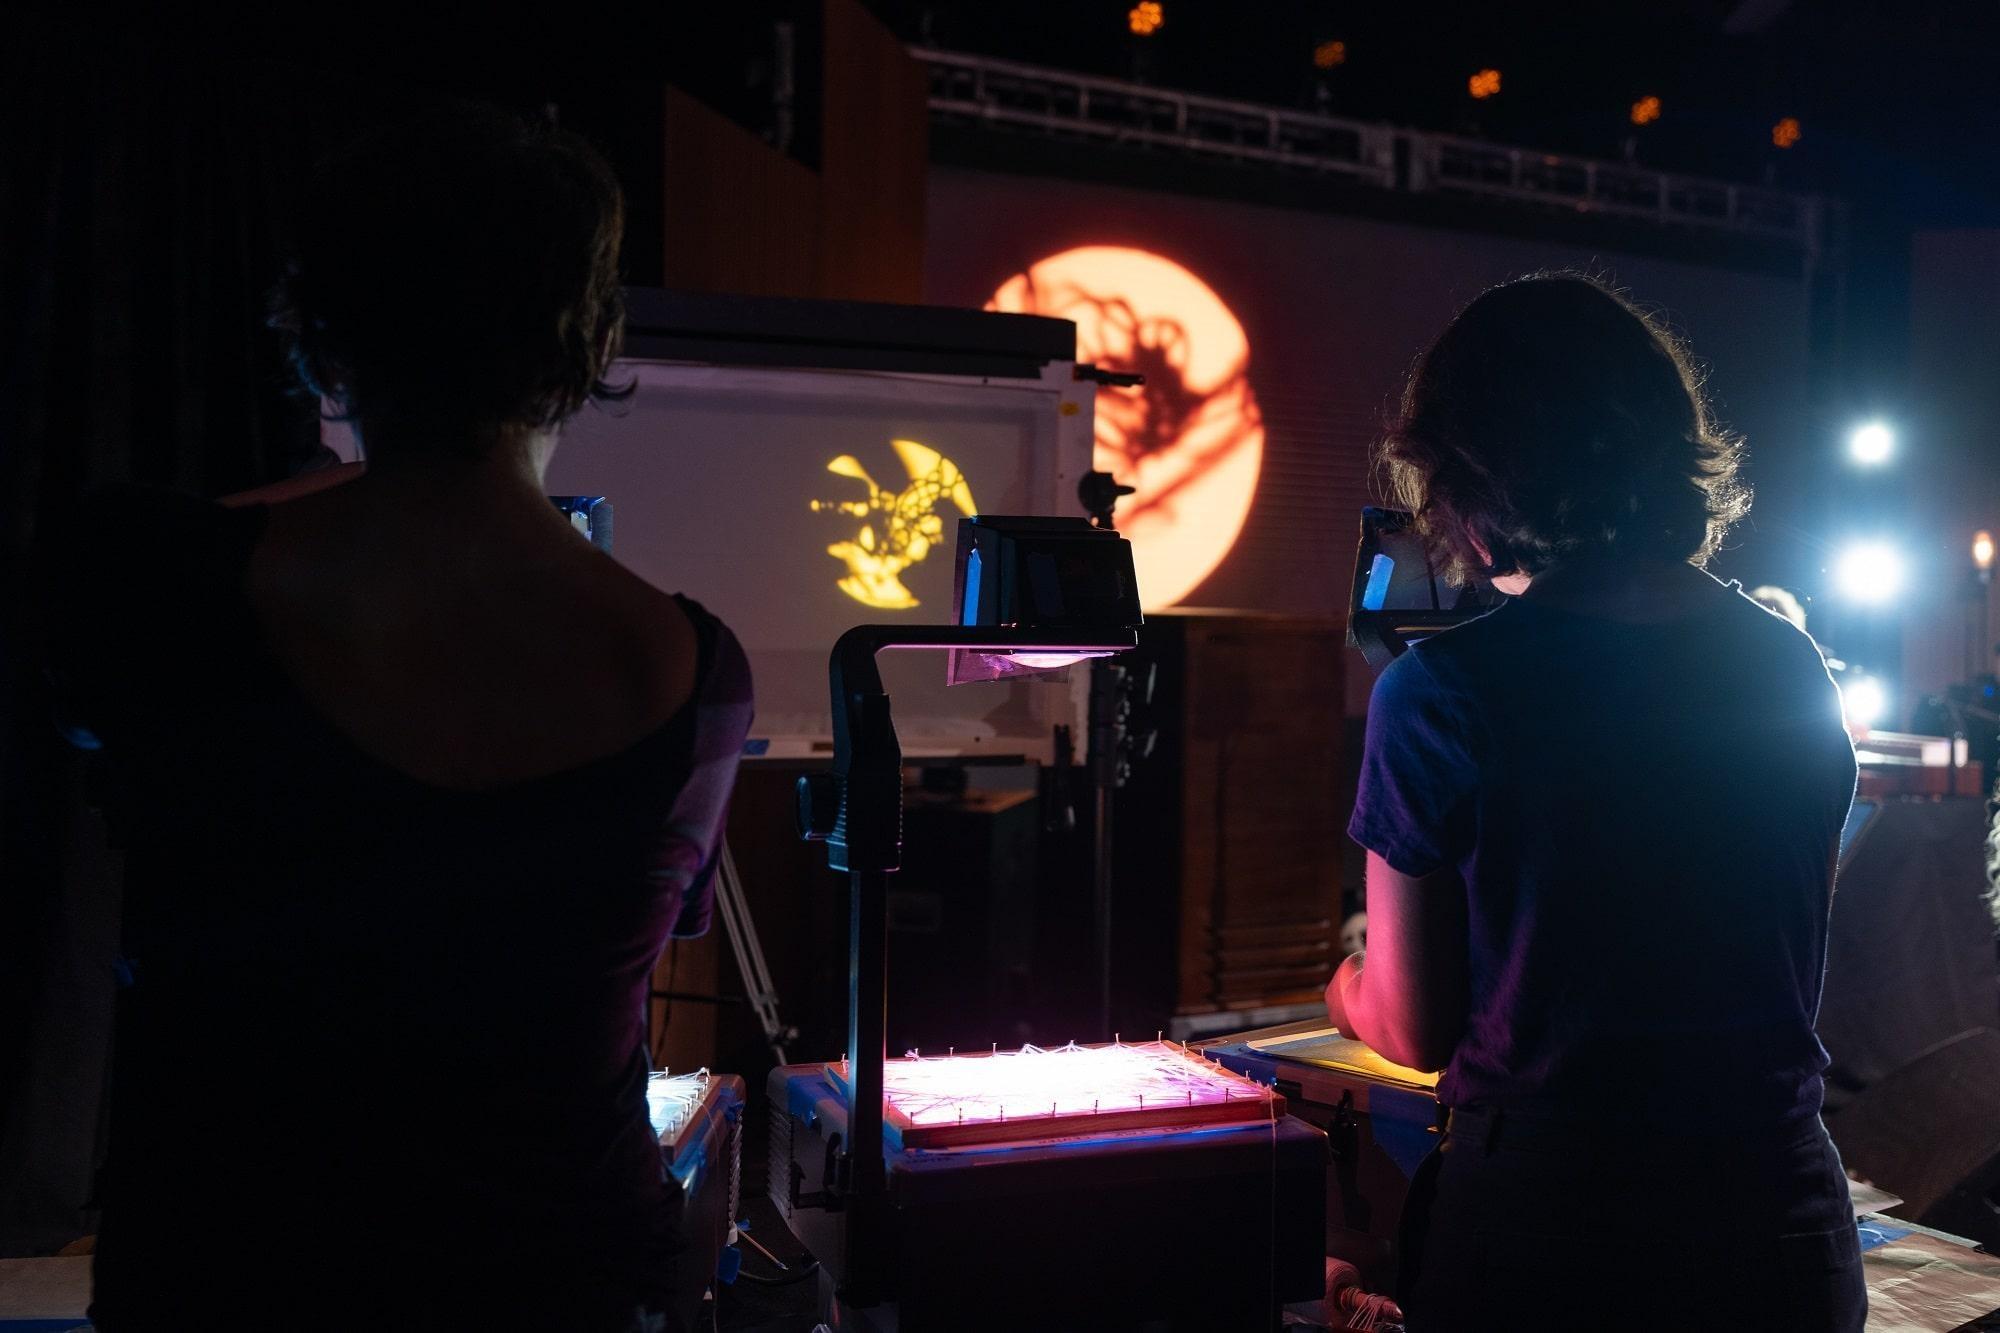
{"x":1191,"y":440}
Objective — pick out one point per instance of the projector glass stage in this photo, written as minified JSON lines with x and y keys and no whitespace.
{"x":1012,"y":1096}
{"x":671,"y":1102}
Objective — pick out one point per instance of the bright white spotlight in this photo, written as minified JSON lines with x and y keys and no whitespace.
{"x":1871,"y":444}
{"x":1864,"y":700}
{"x":1869,"y":572}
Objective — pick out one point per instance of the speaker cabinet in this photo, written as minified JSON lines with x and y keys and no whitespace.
{"x":1930,"y":1132}
{"x":962,"y":921}
{"x":1227,"y":839}
{"x":1910,"y":951}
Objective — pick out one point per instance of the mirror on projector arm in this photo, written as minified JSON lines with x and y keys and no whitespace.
{"x":1397,"y":599}
{"x":796,"y":503}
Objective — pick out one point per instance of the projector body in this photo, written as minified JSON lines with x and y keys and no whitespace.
{"x":1197,"y":1226}
{"x":701,"y":1152}
{"x":1380,"y":1120}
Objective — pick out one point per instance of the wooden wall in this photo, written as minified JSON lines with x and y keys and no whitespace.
{"x":743,"y":217}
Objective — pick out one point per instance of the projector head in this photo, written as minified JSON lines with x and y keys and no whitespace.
{"x":1397,"y":597}
{"x":1060,"y":576}
{"x":1044,"y":573}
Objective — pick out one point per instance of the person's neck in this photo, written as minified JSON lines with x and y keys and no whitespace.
{"x":467,"y":508}
{"x":496,"y":477}
{"x":1636,"y":588}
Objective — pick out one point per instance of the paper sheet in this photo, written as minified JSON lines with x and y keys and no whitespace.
{"x":1919,"y":1284}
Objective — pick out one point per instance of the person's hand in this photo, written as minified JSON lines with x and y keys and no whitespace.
{"x":1349,"y":1304}
{"x":1344,"y":976}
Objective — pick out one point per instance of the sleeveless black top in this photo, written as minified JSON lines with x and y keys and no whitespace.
{"x":380,"y":1048}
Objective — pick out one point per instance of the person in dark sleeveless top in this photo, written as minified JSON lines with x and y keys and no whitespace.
{"x":413,"y":784}
{"x":1601,"y":823}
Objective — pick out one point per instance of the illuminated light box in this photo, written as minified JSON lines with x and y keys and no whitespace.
{"x":1190,"y":440}
{"x":956,"y":1100}
{"x":698,"y":1120}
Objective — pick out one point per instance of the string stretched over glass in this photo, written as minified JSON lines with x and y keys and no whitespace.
{"x":671,"y":1100}
{"x":939,"y":1101}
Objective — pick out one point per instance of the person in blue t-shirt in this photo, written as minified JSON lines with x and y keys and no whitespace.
{"x":1601,"y":825}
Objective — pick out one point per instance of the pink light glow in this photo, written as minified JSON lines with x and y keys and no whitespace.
{"x":1156,"y":1080}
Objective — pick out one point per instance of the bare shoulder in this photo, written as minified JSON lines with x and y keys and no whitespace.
{"x":293,"y":488}
{"x":663,"y":648}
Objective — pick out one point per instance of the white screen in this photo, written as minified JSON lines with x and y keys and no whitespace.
{"x":712,"y":474}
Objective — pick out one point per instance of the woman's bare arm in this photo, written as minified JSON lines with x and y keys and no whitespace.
{"x":1409,"y":1001}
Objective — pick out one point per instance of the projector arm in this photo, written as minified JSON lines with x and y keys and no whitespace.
{"x":857,"y":807}
{"x":857,"y":810}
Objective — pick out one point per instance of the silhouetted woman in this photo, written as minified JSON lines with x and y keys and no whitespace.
{"x":1601,"y":824}
{"x":413,"y":785}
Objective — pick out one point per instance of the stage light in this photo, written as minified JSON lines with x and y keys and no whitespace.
{"x":1786,"y":132}
{"x":1484,"y":84}
{"x":1982,"y":551}
{"x":1329,"y":54}
{"x":1145,"y":18}
{"x":1871,"y":444}
{"x":1646,"y":110}
{"x":1864,"y":700}
{"x":1870,"y":572}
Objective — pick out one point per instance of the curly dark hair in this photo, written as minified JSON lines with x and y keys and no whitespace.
{"x":1551,"y":420}
{"x":455,"y":276}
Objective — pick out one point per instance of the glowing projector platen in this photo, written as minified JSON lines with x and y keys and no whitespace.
{"x":672,"y":1100}
{"x":950,"y":1100}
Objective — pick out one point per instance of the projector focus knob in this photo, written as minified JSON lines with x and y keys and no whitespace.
{"x":819,"y":806}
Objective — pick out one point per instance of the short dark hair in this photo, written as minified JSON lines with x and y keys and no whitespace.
{"x":1553,"y":419}
{"x":456,"y":275}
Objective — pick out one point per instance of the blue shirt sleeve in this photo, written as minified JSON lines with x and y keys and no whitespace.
{"x":1415,"y":806}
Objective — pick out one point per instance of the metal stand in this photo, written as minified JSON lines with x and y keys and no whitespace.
{"x":759,"y":992}
{"x":1111,"y":744}
{"x":1114,"y":747}
{"x":749,"y":950}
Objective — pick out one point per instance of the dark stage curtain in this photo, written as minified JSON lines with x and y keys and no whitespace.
{"x":147,"y":166}
{"x":141,"y":189}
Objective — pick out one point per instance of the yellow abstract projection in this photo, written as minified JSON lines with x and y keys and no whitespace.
{"x":1191,"y":440}
{"x":898,"y":528}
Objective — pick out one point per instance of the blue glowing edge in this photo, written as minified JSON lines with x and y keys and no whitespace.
{"x":1380,"y":570}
